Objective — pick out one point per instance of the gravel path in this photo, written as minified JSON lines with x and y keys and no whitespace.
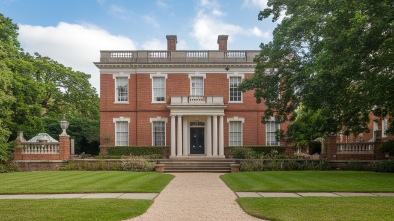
{"x":195,"y":196}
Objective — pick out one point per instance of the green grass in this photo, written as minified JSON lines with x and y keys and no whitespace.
{"x":310,"y":181}
{"x":83,"y":182}
{"x":320,"y":208}
{"x":72,"y":209}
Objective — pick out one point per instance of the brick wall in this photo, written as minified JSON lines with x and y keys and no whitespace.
{"x":140,"y":107}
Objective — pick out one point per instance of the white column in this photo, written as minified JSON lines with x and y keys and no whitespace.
{"x":179,"y":137}
{"x":221,"y":137}
{"x":185,"y":149}
{"x":173,"y":137}
{"x":209,"y":137}
{"x":215,"y":136}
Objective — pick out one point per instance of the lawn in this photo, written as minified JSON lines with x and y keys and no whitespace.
{"x":72,"y":209}
{"x":315,"y":208}
{"x":310,"y":181}
{"x":320,"y":208}
{"x":83,"y":182}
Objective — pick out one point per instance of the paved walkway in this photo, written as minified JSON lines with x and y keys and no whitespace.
{"x":196,"y":196}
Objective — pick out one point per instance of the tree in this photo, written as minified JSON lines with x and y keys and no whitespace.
{"x":333,"y":56}
{"x":36,"y":91}
{"x":7,"y":51}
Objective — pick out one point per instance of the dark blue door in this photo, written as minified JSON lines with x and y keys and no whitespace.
{"x":197,"y":140}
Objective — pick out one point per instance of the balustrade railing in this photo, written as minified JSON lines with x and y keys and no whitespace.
{"x":40,"y":148}
{"x":121,"y":54}
{"x":197,"y":54}
{"x":159,"y":54}
{"x":355,"y":148}
{"x":235,"y":54}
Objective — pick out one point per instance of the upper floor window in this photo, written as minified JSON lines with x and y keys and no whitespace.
{"x":122,"y":89}
{"x":235,"y":94}
{"x":271,"y":128}
{"x":158,"y":89}
{"x":197,"y":86}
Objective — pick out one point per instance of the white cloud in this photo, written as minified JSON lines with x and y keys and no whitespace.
{"x":151,"y":20}
{"x":161,"y":4}
{"x":260,"y":4}
{"x":154,"y":44}
{"x":73,"y":45}
{"x":258,"y":33}
{"x":119,"y":12}
{"x":208,"y":25}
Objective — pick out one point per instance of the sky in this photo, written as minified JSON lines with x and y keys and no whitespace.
{"x":73,"y":32}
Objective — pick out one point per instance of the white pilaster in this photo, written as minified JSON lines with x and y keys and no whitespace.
{"x":221,"y":137}
{"x":173,"y":137}
{"x":209,"y":137}
{"x":179,"y":137}
{"x":215,"y":136}
{"x":185,"y":146}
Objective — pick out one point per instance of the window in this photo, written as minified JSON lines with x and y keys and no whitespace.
{"x":159,"y":133}
{"x":122,"y":133}
{"x":235,"y":94}
{"x":384,"y":127}
{"x":272,"y":127}
{"x":197,"y":86}
{"x":158,"y":89}
{"x":235,"y":133}
{"x":122,"y":89}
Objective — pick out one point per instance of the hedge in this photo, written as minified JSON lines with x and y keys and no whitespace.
{"x":258,"y":149}
{"x":137,"y":150}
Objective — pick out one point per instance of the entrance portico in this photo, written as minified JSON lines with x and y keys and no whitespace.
{"x":197,"y":128}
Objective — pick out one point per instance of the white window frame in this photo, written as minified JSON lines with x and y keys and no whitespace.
{"x":121,"y":119}
{"x":193,"y":76}
{"x":155,"y":76}
{"x":268,"y":142}
{"x":229,"y":121}
{"x":230,"y":76}
{"x":159,"y":119}
{"x":384,"y":127}
{"x":115,"y":77}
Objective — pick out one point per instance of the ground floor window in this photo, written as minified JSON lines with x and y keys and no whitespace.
{"x":271,"y":128}
{"x":122,"y":133}
{"x":235,"y":133}
{"x":159,"y":133}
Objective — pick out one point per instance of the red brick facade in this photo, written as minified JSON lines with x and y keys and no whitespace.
{"x":216,"y":69}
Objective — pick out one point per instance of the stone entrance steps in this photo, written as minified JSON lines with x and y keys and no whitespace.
{"x":197,"y":165}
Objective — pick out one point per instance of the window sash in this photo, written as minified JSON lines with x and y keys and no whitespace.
{"x":158,"y":86}
{"x":271,"y":128}
{"x":122,"y":133}
{"x":122,"y":89}
{"x":235,"y":133}
{"x":197,"y":86}
{"x":235,"y":94}
{"x":159,"y":133}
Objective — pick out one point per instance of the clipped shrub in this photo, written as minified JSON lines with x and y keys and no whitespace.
{"x":280,"y":165}
{"x":91,"y":165}
{"x":243,"y":153}
{"x":258,"y":150}
{"x":138,"y":151}
{"x":137,"y":164}
{"x":9,"y":167}
{"x":385,"y":166}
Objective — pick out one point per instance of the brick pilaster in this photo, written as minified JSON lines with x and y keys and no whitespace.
{"x":331,"y":147}
{"x":64,"y":147}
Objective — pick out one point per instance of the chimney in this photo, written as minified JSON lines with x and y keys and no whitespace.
{"x":171,"y":42}
{"x":222,"y":41}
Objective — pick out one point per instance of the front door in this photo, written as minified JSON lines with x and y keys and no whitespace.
{"x":197,"y":140}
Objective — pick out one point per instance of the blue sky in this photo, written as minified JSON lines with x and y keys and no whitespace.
{"x":73,"y":32}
